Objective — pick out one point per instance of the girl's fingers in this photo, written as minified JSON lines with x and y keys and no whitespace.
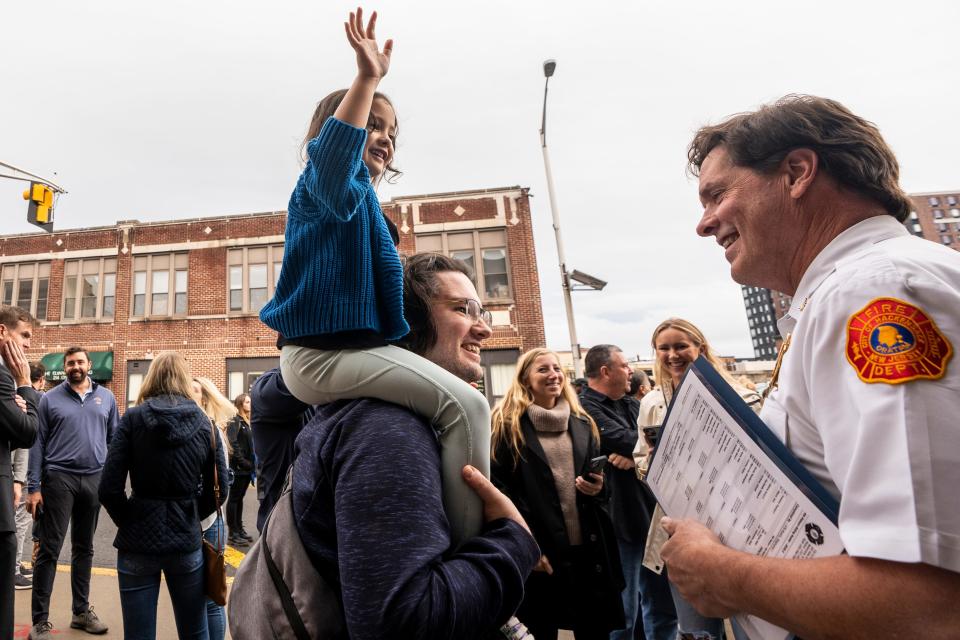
{"x":358,"y":23}
{"x":372,"y":26}
{"x":388,"y":48}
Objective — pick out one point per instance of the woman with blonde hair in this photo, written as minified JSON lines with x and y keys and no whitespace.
{"x":219,"y":411}
{"x":164,"y":444}
{"x":543,"y":442}
{"x":676,"y":344}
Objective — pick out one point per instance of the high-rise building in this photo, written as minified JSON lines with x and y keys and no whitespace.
{"x":935,"y":216}
{"x":763,"y":307}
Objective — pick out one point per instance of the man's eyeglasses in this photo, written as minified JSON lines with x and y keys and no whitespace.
{"x":473,"y":309}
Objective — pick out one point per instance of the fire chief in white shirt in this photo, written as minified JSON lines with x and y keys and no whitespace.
{"x":803,"y":196}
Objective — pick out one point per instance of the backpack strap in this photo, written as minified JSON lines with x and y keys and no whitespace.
{"x":286,"y":599}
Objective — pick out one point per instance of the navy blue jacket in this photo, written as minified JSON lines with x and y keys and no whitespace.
{"x":164,"y":444}
{"x":74,"y":432}
{"x":276,"y":418}
{"x":631,"y":501}
{"x":367,"y":501}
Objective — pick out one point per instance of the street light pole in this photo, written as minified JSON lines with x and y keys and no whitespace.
{"x":548,"y":68}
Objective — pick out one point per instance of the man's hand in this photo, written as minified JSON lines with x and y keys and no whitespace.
{"x":17,"y":493}
{"x":620,"y":462}
{"x":34,"y":500}
{"x":695,"y":559}
{"x":495,"y":504}
{"x":16,"y":362}
{"x":544,"y":565}
{"x":20,"y":402}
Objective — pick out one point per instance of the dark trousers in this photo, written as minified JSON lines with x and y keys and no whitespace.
{"x":68,"y":499}
{"x":235,"y":501}
{"x":8,"y":559}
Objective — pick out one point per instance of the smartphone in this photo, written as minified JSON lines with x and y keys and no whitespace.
{"x":595,"y":465}
{"x":652,"y":434}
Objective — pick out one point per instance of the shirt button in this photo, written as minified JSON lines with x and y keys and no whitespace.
{"x":598,"y":569}
{"x":593,"y":537}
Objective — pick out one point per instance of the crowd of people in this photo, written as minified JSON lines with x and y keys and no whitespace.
{"x":425,"y":514}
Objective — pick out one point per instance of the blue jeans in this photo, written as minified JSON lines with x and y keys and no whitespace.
{"x":216,"y":619}
{"x":139,"y":577}
{"x":648,"y":590}
{"x":691,"y":622}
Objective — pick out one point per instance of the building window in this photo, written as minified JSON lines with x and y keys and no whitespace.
{"x":485,"y":251}
{"x":136,"y":371}
{"x":941,"y":226}
{"x":242,"y":372}
{"x":951,"y":200}
{"x":938,"y":213}
{"x":499,"y":368}
{"x":955,"y":212}
{"x":252,"y":275}
{"x":946,"y":239}
{"x":89,"y":289}
{"x":934,"y":201}
{"x":160,"y":285}
{"x":25,"y":286}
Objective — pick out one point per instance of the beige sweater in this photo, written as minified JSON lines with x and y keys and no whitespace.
{"x":551,"y":428}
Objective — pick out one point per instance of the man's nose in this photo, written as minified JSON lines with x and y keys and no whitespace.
{"x":481,"y":330}
{"x":707,"y":225}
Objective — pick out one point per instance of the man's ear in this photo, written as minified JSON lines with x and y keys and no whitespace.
{"x":801,"y":167}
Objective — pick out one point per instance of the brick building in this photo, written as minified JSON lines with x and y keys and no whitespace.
{"x":129,"y":291}
{"x":935,"y":216}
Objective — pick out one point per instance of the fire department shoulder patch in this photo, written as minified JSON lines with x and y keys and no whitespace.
{"x":893,"y":341}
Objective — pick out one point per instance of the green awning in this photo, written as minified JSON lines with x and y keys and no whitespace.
{"x":101,"y":366}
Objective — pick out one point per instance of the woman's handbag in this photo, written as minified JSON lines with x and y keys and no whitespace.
{"x":214,"y":571}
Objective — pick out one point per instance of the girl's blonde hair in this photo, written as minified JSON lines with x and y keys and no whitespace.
{"x":663,"y":377}
{"x":215,"y":404}
{"x":168,"y":375}
{"x":518,"y":398}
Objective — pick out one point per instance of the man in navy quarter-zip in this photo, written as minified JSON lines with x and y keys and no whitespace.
{"x":77,"y":421}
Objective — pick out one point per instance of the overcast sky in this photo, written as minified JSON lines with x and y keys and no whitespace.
{"x":167,"y":110}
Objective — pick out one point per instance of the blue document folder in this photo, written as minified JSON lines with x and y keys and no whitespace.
{"x":760,"y":433}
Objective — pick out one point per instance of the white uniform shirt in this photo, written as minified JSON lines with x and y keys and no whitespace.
{"x":889,"y":452}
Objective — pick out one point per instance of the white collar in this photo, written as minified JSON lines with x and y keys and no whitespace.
{"x":842,"y":248}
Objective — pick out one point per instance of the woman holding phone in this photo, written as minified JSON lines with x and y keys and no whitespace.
{"x":676,"y":344}
{"x":543,"y":445}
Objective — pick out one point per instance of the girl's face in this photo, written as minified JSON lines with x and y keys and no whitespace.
{"x":246,"y":404}
{"x":381,"y":135}
{"x":676,"y":352}
{"x":545,"y":380}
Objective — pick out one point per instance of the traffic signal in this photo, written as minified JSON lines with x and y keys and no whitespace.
{"x":40,"y":211}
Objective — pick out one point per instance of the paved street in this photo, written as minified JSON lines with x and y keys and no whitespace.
{"x":104,"y":591}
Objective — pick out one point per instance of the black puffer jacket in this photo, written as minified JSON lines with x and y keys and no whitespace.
{"x":164,"y":444}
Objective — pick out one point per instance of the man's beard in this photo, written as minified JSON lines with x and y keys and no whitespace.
{"x":77,"y":376}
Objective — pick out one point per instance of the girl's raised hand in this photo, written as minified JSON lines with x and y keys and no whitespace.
{"x":371,"y":61}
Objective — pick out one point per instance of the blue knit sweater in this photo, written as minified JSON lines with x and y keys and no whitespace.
{"x":341,"y":271}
